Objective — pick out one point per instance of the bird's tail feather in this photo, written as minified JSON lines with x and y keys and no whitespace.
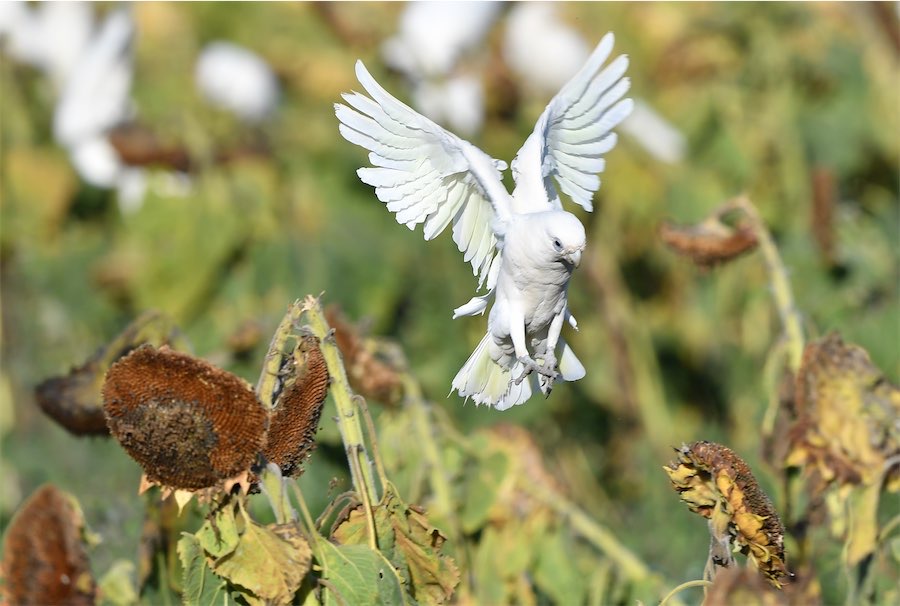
{"x":487,"y":382}
{"x":570,"y":367}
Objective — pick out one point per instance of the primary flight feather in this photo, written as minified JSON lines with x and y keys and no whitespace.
{"x":522,"y":246}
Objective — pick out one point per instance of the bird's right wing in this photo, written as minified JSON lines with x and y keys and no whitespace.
{"x":425,"y":174}
{"x":574,"y":133}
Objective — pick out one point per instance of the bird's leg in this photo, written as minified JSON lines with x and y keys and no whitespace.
{"x":546,"y":381}
{"x":517,"y":333}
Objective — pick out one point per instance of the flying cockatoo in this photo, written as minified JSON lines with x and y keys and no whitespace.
{"x":522,"y":246}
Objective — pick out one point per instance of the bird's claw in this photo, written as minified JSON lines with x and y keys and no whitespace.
{"x":547,"y":370}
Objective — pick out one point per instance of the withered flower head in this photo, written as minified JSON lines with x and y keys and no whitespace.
{"x":74,"y":401}
{"x":848,"y":423}
{"x":295,"y":418}
{"x":716,"y":483}
{"x":44,"y":558}
{"x":189,"y":424}
{"x":709,"y":242}
{"x":369,"y":376}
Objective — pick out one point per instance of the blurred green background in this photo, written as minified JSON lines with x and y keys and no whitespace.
{"x":772,"y":99}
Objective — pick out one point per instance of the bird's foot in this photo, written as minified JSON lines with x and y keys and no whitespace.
{"x":547,"y":371}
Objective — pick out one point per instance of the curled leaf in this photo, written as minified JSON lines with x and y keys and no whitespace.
{"x":44,"y":559}
{"x":188,"y":424}
{"x":716,"y":483}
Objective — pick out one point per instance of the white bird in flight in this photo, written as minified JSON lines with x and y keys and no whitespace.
{"x":522,"y":246}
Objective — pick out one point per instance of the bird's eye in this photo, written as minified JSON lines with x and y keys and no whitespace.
{"x":557,"y":244}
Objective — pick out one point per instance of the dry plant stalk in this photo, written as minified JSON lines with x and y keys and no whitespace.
{"x":716,"y":483}
{"x":44,"y":558}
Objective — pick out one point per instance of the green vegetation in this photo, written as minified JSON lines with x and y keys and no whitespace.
{"x":561,"y":500}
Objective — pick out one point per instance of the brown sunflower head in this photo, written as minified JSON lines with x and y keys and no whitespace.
{"x":847,"y":427}
{"x":295,"y":417}
{"x":716,"y":483}
{"x":371,"y":375}
{"x":188,"y":424}
{"x":44,"y":557}
{"x":75,"y":400}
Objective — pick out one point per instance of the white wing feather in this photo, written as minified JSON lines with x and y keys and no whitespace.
{"x":425,"y":174}
{"x":572,"y":135}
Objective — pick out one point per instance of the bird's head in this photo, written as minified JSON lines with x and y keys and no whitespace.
{"x":565,"y":238}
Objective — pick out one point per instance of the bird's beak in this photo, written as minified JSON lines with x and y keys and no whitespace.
{"x":574,"y":257}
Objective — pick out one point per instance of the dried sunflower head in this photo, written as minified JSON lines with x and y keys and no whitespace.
{"x":716,"y":483}
{"x":369,"y":374}
{"x":295,"y":418}
{"x":848,"y":423}
{"x":710,"y":242}
{"x":74,"y":400}
{"x":188,"y":424}
{"x":44,"y":559}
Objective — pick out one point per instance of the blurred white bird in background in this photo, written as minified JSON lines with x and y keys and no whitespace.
{"x":238,"y":80}
{"x":50,"y":36}
{"x":95,"y":99}
{"x":428,"y":50}
{"x":544,"y":52}
{"x":540,"y":48}
{"x":523,"y":246}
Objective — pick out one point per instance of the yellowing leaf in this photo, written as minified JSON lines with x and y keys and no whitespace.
{"x":410,"y":543}
{"x":269,"y":561}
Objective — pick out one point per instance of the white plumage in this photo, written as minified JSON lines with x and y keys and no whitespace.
{"x":522,"y":247}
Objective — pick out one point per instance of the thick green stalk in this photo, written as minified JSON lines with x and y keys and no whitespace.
{"x":781,"y":286}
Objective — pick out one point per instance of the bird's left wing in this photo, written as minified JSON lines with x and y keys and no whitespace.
{"x":574,"y":132}
{"x":425,"y":174}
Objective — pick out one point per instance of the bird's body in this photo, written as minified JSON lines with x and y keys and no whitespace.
{"x":523,"y":246}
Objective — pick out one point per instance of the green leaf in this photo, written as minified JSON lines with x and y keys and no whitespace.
{"x":482,"y":490}
{"x":219,"y":537}
{"x":269,"y":561}
{"x":410,"y":543}
{"x":201,"y":586}
{"x":358,"y":576}
{"x":117,"y":585}
{"x":555,"y":573}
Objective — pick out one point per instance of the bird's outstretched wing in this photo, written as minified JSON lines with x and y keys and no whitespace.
{"x":572,"y":135}
{"x":425,"y":174}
